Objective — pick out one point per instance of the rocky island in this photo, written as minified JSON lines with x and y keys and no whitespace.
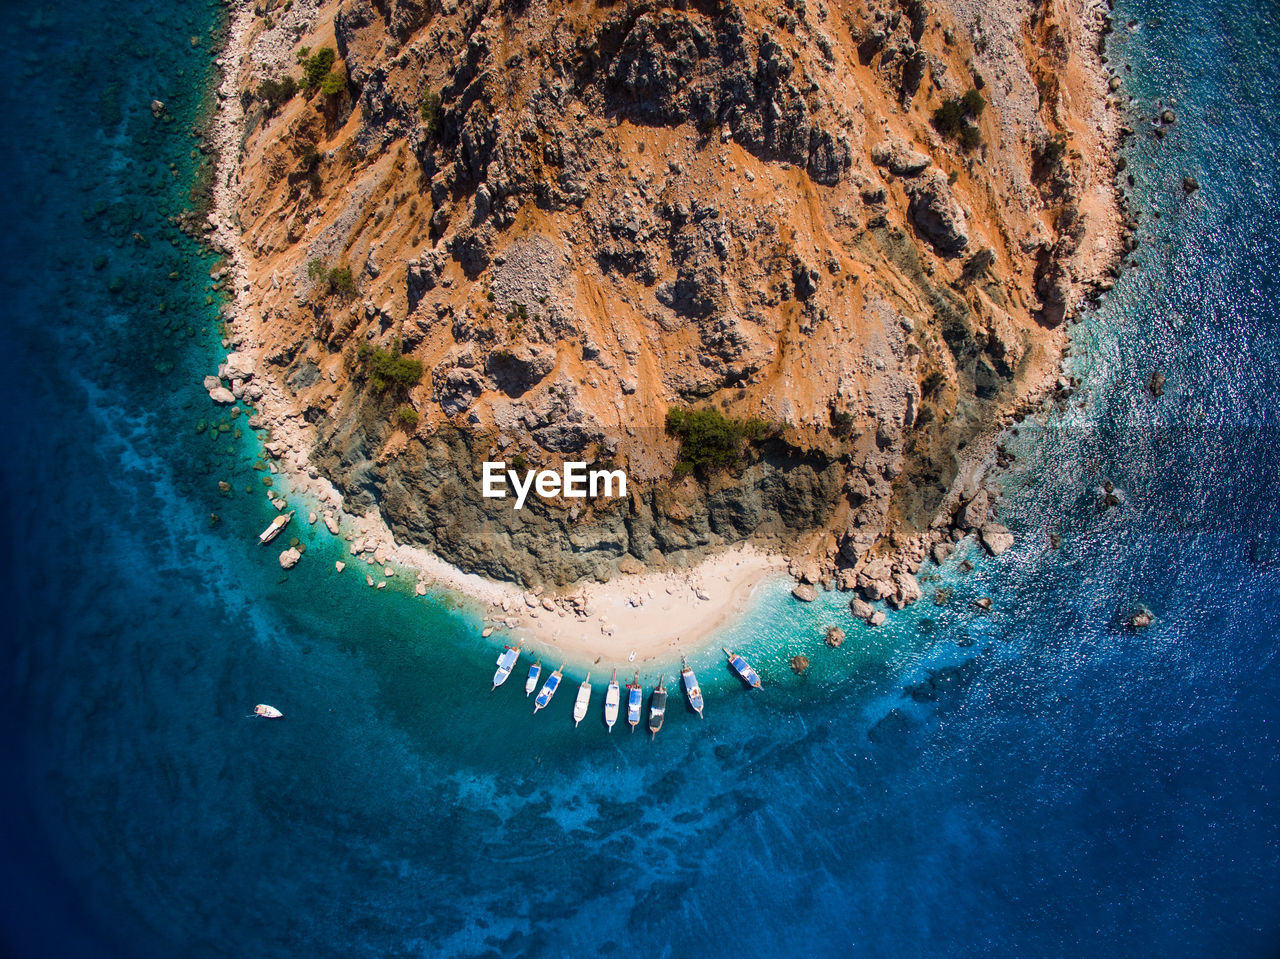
{"x":791,"y":267}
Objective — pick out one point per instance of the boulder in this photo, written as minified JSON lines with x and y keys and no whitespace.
{"x":630,"y":566}
{"x":212,"y":383}
{"x":804,"y":592}
{"x":975,"y":512}
{"x":877,"y":618}
{"x":220,"y":394}
{"x":942,"y":550}
{"x":835,"y":635}
{"x":289,"y":558}
{"x":238,"y":366}
{"x":935,"y":214}
{"x":906,"y":591}
{"x":996,"y":538}
{"x":899,"y":159}
{"x":331,"y":523}
{"x":861,"y":609}
{"x":339,"y":565}
{"x":799,"y":665}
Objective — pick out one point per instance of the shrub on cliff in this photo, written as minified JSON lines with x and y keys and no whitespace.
{"x":432,"y":113}
{"x":389,"y":371}
{"x":276,"y":93}
{"x":952,"y":119}
{"x":333,"y":84}
{"x":407,"y":417}
{"x":341,"y":282}
{"x":316,"y":67}
{"x":709,"y":440}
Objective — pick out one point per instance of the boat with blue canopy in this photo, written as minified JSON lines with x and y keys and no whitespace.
{"x":743,"y":669}
{"x":635,"y":698}
{"x":548,"y":689}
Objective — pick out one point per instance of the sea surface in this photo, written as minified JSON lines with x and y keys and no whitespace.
{"x":1036,"y":781}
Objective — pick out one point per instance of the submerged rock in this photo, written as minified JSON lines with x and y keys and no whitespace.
{"x":1156,"y":383}
{"x":1141,"y":618}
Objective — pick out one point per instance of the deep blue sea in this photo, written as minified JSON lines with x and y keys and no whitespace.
{"x":1037,"y":781}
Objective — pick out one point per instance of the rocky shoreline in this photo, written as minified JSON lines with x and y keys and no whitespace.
{"x":886,"y":573}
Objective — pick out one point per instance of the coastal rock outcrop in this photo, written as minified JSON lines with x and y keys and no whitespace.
{"x":553,"y":238}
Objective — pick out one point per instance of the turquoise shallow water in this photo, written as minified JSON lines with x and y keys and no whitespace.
{"x":1037,"y":781}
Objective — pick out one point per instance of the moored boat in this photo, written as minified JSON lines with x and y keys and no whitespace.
{"x":611,"y":702}
{"x":657,"y":708}
{"x":506,"y":663}
{"x":274,"y":527}
{"x":531,"y":683}
{"x":582,"y":702}
{"x":691,"y":688}
{"x":548,"y":689}
{"x":635,"y":696}
{"x":743,"y":669}
{"x":267,"y":712}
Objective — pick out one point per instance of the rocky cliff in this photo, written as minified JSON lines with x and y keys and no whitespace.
{"x":525,"y":231}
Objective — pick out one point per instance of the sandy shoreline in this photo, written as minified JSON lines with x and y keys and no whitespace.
{"x":632,"y":620}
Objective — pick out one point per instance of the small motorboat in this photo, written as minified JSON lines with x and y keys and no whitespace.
{"x":611,"y":702}
{"x":276,"y":525}
{"x":743,"y":669}
{"x":635,"y":696}
{"x":531,"y":683}
{"x":548,"y":689}
{"x":267,"y":712}
{"x":691,"y":688}
{"x":506,"y":663}
{"x":657,"y":708}
{"x":582,"y":702}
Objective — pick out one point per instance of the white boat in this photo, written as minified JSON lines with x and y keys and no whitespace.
{"x":531,"y":683}
{"x":267,"y":712}
{"x":276,"y":525}
{"x":743,"y":669}
{"x":635,"y":696}
{"x":582,"y":702}
{"x":611,"y":702}
{"x":549,"y":688}
{"x":506,"y":663}
{"x":691,"y":687}
{"x":657,"y":708}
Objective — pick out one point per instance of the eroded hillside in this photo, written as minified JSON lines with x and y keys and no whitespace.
{"x":578,"y":216}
